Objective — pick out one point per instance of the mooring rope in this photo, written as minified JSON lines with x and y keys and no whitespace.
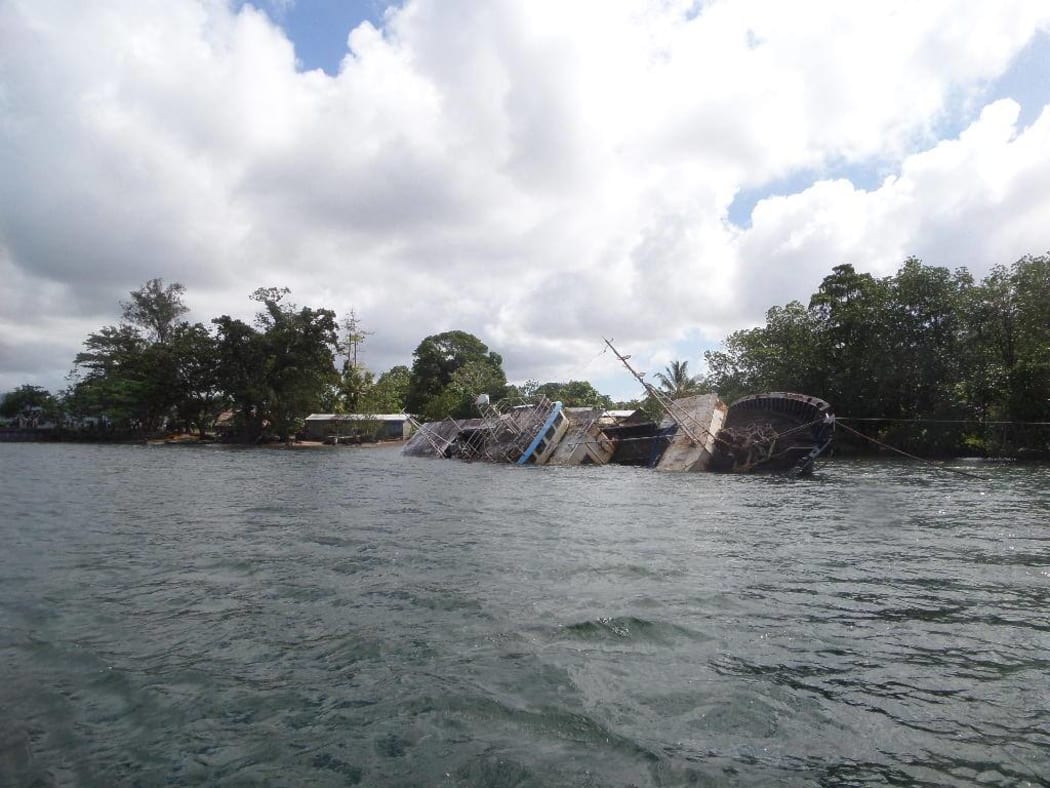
{"x":911,"y":456}
{"x":979,"y":422}
{"x":800,"y":427}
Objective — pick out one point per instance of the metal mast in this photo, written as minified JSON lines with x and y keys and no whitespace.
{"x":670,"y":408}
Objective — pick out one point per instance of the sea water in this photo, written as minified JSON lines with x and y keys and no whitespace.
{"x":342,"y":616}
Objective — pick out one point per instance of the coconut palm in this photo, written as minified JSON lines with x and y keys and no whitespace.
{"x":676,"y":382}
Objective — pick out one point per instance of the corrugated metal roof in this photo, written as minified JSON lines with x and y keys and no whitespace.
{"x":357,"y":417}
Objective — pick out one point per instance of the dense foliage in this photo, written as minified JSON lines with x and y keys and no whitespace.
{"x":938,"y":363}
{"x":927,"y":360}
{"x":154,"y":372}
{"x":32,"y":401}
{"x":574,"y":394}
{"x":279,"y":370}
{"x":448,"y":371}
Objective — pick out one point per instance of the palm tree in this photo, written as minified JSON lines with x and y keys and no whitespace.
{"x":676,"y":382}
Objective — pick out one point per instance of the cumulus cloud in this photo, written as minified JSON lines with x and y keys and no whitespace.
{"x":541,"y":174}
{"x":973,"y":201}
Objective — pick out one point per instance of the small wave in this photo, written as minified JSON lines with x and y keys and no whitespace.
{"x":628,"y":628}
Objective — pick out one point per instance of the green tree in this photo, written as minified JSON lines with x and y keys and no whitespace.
{"x":527,"y":390}
{"x":676,"y":382}
{"x":923,"y":335}
{"x":389,"y":392}
{"x":279,"y":372}
{"x":1029,"y":378}
{"x":129,"y":372}
{"x":121,"y":376}
{"x":155,"y":309}
{"x":355,"y":389}
{"x":575,"y":393}
{"x":26,"y":400}
{"x":457,"y":399}
{"x":1007,"y":338}
{"x":436,"y":360}
{"x":198,"y":396}
{"x":243,"y":362}
{"x":783,"y":355}
{"x":991,"y":341}
{"x":924,"y":350}
{"x":853,"y":355}
{"x":734,"y":370}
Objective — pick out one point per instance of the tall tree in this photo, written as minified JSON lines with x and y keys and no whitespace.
{"x":735,"y":369}
{"x":1008,"y":333}
{"x":1029,"y":378}
{"x":785,"y":354}
{"x":388,"y":393}
{"x":281,"y":370}
{"x":123,"y":377}
{"x":922,"y":333}
{"x":199,"y":398}
{"x":155,"y":309}
{"x":927,"y":351}
{"x":355,"y":382}
{"x":575,"y":393}
{"x":129,"y":372}
{"x":851,"y":310}
{"x":26,"y":400}
{"x":434,"y":365}
{"x":676,"y":382}
{"x":355,"y":386}
{"x":243,"y":362}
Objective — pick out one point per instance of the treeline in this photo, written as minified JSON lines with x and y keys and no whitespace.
{"x":927,"y":360}
{"x":155,"y":372}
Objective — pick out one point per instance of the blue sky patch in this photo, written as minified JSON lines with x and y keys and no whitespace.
{"x":318,"y":28}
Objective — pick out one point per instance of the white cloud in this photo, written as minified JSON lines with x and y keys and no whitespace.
{"x":539,"y":173}
{"x":975,"y":201}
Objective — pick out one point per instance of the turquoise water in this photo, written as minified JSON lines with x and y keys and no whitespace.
{"x":183,"y":616}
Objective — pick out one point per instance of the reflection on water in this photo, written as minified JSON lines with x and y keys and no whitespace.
{"x":346,"y":616}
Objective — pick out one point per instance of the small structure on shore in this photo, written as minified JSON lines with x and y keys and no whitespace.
{"x":360,"y":426}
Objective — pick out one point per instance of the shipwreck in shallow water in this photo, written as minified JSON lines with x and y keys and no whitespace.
{"x":780,"y":432}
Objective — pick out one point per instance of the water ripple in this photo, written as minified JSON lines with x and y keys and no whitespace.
{"x":349,"y":617}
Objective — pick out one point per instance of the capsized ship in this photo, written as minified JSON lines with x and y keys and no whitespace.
{"x":779,"y":432}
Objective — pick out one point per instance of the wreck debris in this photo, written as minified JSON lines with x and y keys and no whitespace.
{"x":749,"y":445}
{"x":778,"y":431}
{"x":514,"y":432}
{"x":691,"y":449}
{"x":584,"y":442}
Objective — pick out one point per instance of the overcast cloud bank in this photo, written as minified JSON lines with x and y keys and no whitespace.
{"x":541,"y":174}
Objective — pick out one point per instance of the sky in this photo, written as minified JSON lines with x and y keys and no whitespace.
{"x":541,"y":174}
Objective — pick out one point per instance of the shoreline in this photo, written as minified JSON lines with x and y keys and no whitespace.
{"x":181,"y":441}
{"x":291,"y":445}
{"x":310,"y":445}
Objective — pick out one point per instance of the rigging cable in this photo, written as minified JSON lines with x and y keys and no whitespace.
{"x":911,"y":456}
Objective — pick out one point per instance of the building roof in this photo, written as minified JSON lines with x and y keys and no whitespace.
{"x":357,"y":417}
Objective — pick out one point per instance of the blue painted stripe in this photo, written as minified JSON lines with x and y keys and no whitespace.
{"x":539,"y":435}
